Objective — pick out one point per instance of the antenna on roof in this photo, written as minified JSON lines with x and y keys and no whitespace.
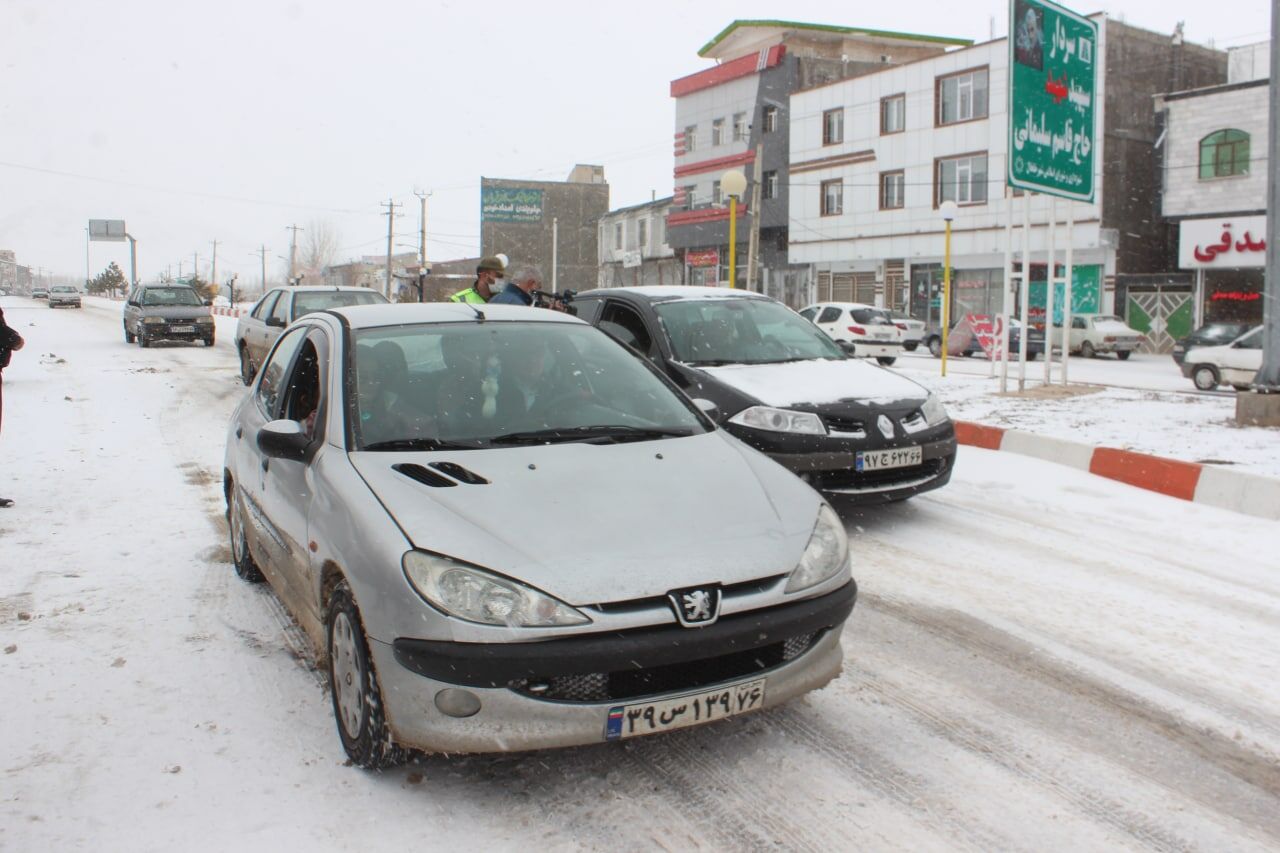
{"x":479,"y":314}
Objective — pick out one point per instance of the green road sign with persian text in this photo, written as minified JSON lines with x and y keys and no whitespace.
{"x":1053,"y":65}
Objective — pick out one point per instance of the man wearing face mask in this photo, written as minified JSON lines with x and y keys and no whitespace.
{"x":488,"y":282}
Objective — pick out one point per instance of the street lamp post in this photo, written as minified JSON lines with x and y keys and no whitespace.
{"x":948,"y":211}
{"x":733,"y":183}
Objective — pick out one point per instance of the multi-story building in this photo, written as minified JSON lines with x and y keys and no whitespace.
{"x":873,"y":157}
{"x":736,"y":116}
{"x":1215,"y":186}
{"x":519,"y":219}
{"x":634,"y":249}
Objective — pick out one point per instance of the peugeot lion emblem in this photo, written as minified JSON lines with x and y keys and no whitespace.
{"x":886,"y":426}
{"x":696,"y":608}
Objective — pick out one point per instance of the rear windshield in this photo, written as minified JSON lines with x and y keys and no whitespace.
{"x":741,"y":331}
{"x":170,"y":296}
{"x":870,"y":317}
{"x":309,"y":303}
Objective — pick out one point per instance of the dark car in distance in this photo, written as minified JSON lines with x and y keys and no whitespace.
{"x":1208,"y":335}
{"x":853,"y":430}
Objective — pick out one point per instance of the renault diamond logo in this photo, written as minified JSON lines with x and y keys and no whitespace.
{"x":886,"y":426}
{"x":697,"y":607}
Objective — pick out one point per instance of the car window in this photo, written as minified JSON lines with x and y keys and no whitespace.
{"x":809,"y":313}
{"x":303,"y":390}
{"x":281,"y":310}
{"x":741,"y":331}
{"x":830,"y":315}
{"x":273,"y":372}
{"x":1077,"y":323}
{"x":263,"y":309}
{"x":869,"y":317}
{"x":627,"y":326}
{"x":309,"y":302}
{"x":1219,"y":332}
{"x":1253,"y":340}
{"x":163,"y":296}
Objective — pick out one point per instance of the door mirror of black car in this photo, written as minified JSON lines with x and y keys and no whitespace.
{"x":277,"y":322}
{"x":708,"y":408}
{"x":283,"y":439}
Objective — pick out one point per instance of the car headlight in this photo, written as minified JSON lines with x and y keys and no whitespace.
{"x":204,"y":319}
{"x":478,"y":596}
{"x":934,"y":412}
{"x":779,"y":420}
{"x":825,"y":556}
{"x":153,"y":319}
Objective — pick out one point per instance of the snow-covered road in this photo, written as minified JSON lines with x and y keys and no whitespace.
{"x":1039,"y":659}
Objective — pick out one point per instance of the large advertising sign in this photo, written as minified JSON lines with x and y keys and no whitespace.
{"x":110,"y":230}
{"x":510,"y":204}
{"x":1052,"y":80}
{"x":1086,"y":293}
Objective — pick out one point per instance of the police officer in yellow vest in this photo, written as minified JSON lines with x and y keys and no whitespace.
{"x":488,"y":272}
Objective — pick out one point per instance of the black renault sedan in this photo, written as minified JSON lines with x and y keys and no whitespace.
{"x":851,"y":429}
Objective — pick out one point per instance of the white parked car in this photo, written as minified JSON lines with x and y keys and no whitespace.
{"x":911,"y":328}
{"x":1234,"y":364}
{"x":863,"y":330}
{"x":1092,"y":334}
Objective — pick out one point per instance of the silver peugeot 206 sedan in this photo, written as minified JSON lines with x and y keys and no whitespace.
{"x":502,"y":530}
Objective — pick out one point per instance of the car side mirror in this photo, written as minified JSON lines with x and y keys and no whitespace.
{"x":275,"y":321}
{"x":847,"y":346}
{"x":283,"y":439}
{"x":206,"y":302}
{"x":708,"y":408}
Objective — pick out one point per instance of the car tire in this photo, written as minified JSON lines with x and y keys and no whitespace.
{"x":241,"y":558}
{"x":129,"y":336}
{"x":886,"y":360}
{"x":1087,"y":351}
{"x":357,"y":701}
{"x":208,"y":341}
{"x":1205,"y":377}
{"x":911,"y":347}
{"x":247,"y":370}
{"x":935,"y":347}
{"x":143,"y":340}
{"x":1123,"y":354}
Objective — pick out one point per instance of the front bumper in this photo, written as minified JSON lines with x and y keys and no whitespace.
{"x":513,"y":717}
{"x":172,"y":331}
{"x":876,"y":349}
{"x":72,"y":302}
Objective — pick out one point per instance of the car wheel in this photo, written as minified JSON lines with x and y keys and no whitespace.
{"x":886,"y":360}
{"x":1205,"y":377}
{"x":911,"y":347}
{"x":357,"y":701}
{"x":1086,"y":350}
{"x":1123,"y":355}
{"x":247,"y":370}
{"x":935,"y":347}
{"x":143,"y":340}
{"x":208,"y":341}
{"x":241,"y":558}
{"x":129,"y":337}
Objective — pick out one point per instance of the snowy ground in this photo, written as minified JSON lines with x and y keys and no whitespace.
{"x":1039,"y":659}
{"x":1143,"y":404}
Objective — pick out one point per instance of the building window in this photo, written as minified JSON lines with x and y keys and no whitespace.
{"x":717,"y":196}
{"x":691,"y":196}
{"x":660,"y":232}
{"x":833,"y":126}
{"x":642,"y":233}
{"x":892,"y":185}
{"x":691,"y":139}
{"x":717,"y":132}
{"x":962,"y":97}
{"x":739,"y":127}
{"x":1224,"y":153}
{"x":617,"y":237}
{"x":961,"y":179}
{"x":833,"y":197}
{"x":893,"y":114}
{"x":769,"y":119}
{"x":769,"y":185}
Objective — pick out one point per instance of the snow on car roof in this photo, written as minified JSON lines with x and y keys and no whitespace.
{"x":665,"y":293}
{"x":311,"y":288}
{"x":397,"y":313}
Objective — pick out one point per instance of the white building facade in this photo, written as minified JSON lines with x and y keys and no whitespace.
{"x":633,"y":247}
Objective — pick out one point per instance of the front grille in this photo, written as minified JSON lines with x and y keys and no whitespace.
{"x":850,"y":479}
{"x":688,"y":675}
{"x":835,"y":423}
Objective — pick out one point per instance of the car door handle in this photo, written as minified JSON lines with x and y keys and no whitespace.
{"x":266,"y":463}
{"x":239,"y":432}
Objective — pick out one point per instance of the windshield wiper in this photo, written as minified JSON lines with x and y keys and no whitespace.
{"x":616,"y":432}
{"x":712,"y":362}
{"x":419,"y":444}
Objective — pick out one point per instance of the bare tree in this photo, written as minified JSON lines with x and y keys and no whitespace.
{"x":319,"y":249}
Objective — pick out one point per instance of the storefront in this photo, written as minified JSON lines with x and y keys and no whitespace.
{"x":1229,"y":255}
{"x":981,"y":292}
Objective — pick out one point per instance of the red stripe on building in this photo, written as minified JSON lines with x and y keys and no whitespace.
{"x":703,"y":214}
{"x":717,"y":163}
{"x":740,"y":67}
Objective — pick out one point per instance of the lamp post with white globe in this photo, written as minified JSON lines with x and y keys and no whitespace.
{"x":733,"y":184}
{"x":948,"y":211}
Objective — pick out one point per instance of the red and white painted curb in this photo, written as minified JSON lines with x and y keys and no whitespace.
{"x":228,"y":312}
{"x":1250,"y":494}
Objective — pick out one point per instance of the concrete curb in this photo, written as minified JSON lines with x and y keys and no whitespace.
{"x":228,"y":312}
{"x":1249,"y":494}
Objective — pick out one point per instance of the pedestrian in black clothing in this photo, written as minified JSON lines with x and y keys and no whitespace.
{"x":10,"y":342}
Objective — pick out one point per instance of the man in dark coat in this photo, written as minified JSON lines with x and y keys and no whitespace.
{"x":10,"y":342}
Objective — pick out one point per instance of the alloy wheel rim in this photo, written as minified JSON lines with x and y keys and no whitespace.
{"x":348,"y":679}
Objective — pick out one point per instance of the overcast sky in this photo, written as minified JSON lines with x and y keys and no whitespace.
{"x":231,"y":120}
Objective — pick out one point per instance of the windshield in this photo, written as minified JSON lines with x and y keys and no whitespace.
{"x":1220,"y":332}
{"x":741,"y":331}
{"x":64,"y":289}
{"x":170,"y":296}
{"x":309,"y":303}
{"x":470,"y":385}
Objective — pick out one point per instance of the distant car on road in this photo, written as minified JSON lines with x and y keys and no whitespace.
{"x":864,"y":331}
{"x":39,"y":293}
{"x":258,"y":330}
{"x":61,"y":294}
{"x":1233,"y":364}
{"x":1094,"y":334}
{"x":169,"y":312}
{"x":1208,"y":335}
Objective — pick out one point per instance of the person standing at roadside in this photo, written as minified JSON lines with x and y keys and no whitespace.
{"x":488,"y":275}
{"x":10,"y":342}
{"x":526,"y":280}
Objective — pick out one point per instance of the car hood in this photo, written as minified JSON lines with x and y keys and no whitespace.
{"x":594,"y":523}
{"x":818,"y":383}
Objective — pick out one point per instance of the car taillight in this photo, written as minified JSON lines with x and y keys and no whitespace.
{"x":902,"y":326}
{"x":857,"y":330}
{"x":1110,"y":339}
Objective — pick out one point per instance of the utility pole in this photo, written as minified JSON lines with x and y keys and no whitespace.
{"x":195,"y":265}
{"x":179,"y":270}
{"x":293,"y":253}
{"x":213,"y":273}
{"x":390,"y":205}
{"x":422,"y":226}
{"x":263,"y":254}
{"x":87,"y":277}
{"x":753,"y":238}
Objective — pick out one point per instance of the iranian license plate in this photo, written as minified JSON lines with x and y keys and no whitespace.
{"x":182,"y":330}
{"x":880,"y":460}
{"x":649,"y":718}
